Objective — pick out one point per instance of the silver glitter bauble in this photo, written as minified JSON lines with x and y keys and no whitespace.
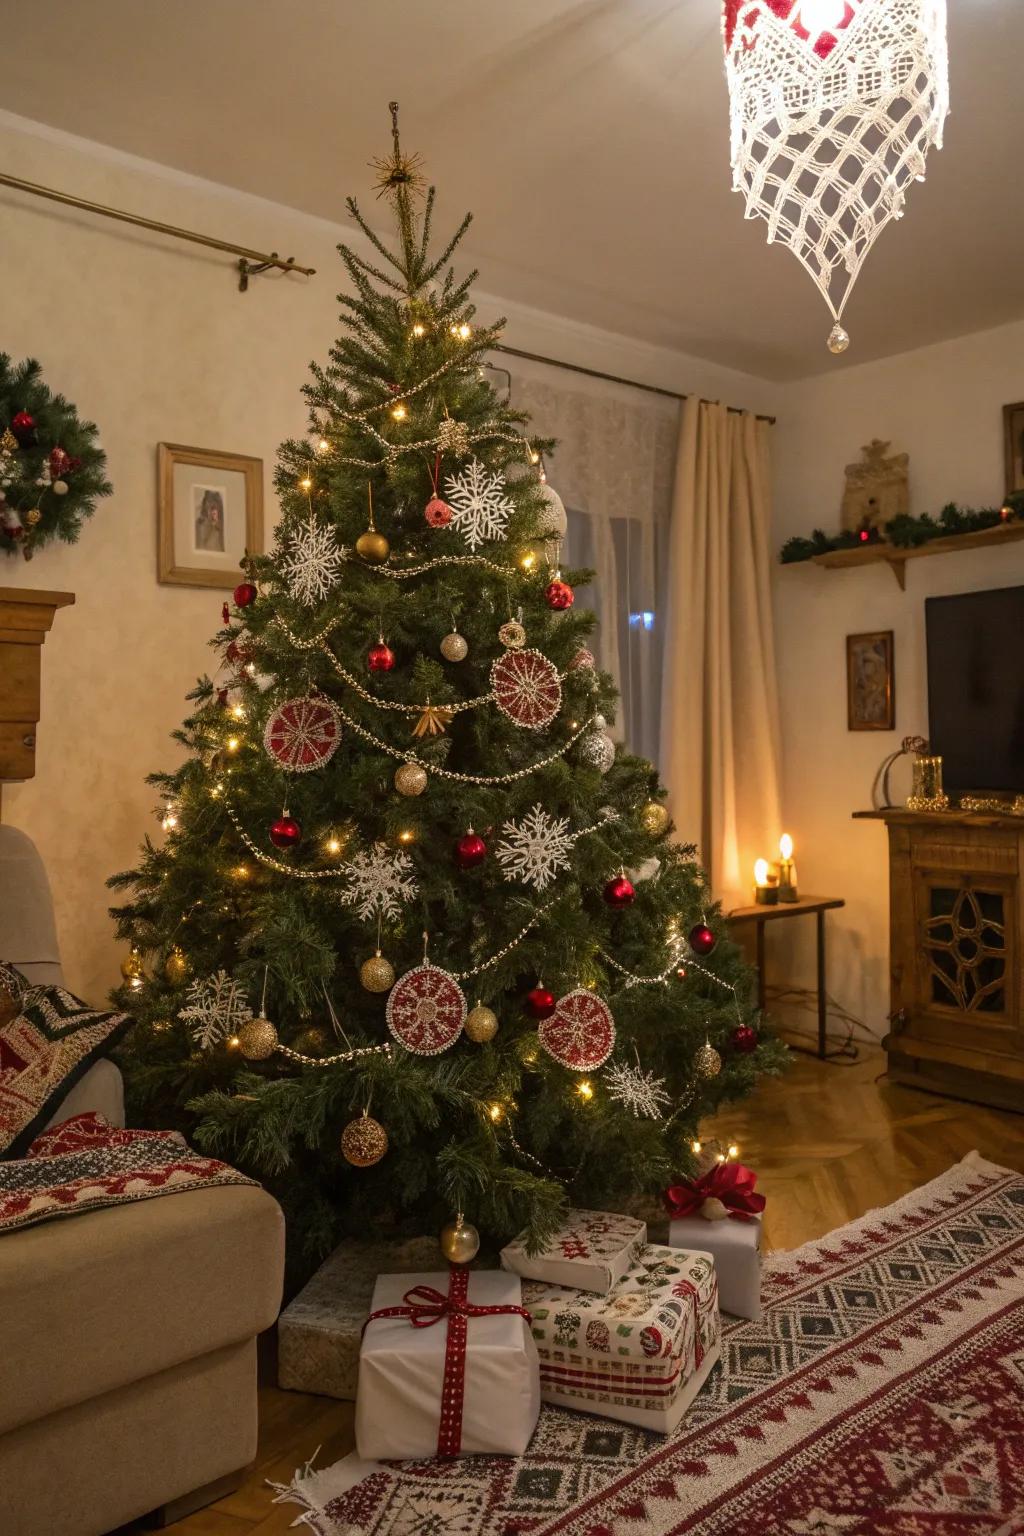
{"x":707,"y":1062}
{"x":454,"y":647}
{"x":460,"y":1241}
{"x":597,"y":750}
{"x":838,"y":340}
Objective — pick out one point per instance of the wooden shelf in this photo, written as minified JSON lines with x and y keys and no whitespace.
{"x":25,"y":619}
{"x":896,"y":559}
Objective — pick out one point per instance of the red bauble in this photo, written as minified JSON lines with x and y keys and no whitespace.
{"x":23,"y":425}
{"x":244,"y":594}
{"x":470,"y":850}
{"x":619,"y":892}
{"x":285,"y":832}
{"x":559,"y":594}
{"x":743,"y":1039}
{"x":380,"y":657}
{"x":437,"y":512}
{"x":702,"y":940}
{"x":540,"y":1002}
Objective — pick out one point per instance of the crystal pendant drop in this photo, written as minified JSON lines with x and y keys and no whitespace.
{"x":838,"y":340}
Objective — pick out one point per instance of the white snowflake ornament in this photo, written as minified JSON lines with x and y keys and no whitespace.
{"x":643,"y":1094}
{"x":480,"y":508}
{"x":380,"y":881}
{"x":535,"y":849}
{"x":216,"y":1007}
{"x":312,"y":565}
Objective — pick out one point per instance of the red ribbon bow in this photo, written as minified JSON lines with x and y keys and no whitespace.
{"x":424,"y":1306}
{"x":732,"y":1183}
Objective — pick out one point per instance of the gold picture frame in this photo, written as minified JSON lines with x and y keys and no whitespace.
{"x":1013,"y":445}
{"x":209,"y":515}
{"x":870,"y":684}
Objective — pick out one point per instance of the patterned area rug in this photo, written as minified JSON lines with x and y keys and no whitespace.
{"x":883,"y":1392}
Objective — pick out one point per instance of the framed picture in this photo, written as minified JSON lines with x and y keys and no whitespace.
{"x":209,"y":514}
{"x":870,"y":688}
{"x":1013,"y":438}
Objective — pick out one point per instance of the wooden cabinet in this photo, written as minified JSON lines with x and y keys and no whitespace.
{"x":25,"y":620}
{"x":956,"y":942}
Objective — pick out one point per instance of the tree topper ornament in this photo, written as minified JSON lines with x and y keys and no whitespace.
{"x":834,"y":105}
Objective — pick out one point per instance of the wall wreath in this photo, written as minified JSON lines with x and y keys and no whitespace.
{"x":52,"y":469}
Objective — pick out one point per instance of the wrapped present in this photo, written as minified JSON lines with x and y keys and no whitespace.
{"x":591,"y":1251}
{"x":720,"y":1212}
{"x":447,"y":1367}
{"x":639,"y":1354}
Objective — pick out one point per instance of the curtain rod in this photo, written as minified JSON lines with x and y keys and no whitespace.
{"x":614,"y":378}
{"x":250,"y":262}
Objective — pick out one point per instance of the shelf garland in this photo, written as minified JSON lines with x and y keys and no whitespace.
{"x":906,"y":532}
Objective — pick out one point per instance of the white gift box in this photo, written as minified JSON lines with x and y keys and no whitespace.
{"x":639,"y":1354}
{"x":591,"y":1251}
{"x":736,"y":1246}
{"x":401,"y":1372}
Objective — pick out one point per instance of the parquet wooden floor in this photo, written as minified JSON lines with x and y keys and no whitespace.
{"x":829,"y":1143}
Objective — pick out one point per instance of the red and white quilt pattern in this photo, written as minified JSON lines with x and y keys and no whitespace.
{"x":86,"y":1163}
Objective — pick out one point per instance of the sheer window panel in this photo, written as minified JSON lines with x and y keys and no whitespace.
{"x":613,"y":469}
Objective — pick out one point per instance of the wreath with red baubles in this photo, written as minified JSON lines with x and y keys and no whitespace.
{"x":52,"y":469}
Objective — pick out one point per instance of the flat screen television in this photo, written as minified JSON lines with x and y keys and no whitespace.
{"x":976,"y":688}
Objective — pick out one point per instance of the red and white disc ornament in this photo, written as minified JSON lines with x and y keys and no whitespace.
{"x":303,"y":734}
{"x":527,"y":688}
{"x":426,"y":1010}
{"x":580,"y":1034}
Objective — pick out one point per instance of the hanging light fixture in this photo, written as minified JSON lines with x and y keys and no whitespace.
{"x":834,"y":105}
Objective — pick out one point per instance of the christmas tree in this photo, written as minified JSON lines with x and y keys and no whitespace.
{"x":418,"y":940}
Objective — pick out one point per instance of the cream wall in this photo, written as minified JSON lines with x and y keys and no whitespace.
{"x":151,"y":339}
{"x":942,"y":405}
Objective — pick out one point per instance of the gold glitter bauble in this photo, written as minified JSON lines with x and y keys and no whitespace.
{"x":454,"y":647}
{"x":512,"y":635}
{"x":257,"y":1039}
{"x":481,"y":1024}
{"x":132,"y":968}
{"x":176,"y":967}
{"x":707,"y":1062}
{"x":377,"y":974}
{"x":654,"y":818}
{"x":312,"y":1042}
{"x":372,"y":547}
{"x":363,"y":1142}
{"x":460,"y":1241}
{"x":410,"y":779}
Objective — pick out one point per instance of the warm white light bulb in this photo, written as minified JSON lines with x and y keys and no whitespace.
{"x":820,"y":16}
{"x":786,"y":846}
{"x":761,"y":872}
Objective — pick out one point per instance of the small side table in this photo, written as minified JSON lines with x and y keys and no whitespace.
{"x":819,"y":905}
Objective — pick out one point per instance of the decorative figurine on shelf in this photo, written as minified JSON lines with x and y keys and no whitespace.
{"x":877,"y":490}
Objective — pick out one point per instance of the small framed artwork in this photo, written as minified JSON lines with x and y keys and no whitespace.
{"x":1013,"y":439}
{"x":870,"y":687}
{"x":209,"y":514}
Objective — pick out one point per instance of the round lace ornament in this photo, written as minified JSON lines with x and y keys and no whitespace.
{"x":426,"y":1010}
{"x":302,"y":734}
{"x":580,"y":1034}
{"x":527,"y":688}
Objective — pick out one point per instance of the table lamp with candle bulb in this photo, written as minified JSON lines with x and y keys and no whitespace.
{"x":766,"y":884}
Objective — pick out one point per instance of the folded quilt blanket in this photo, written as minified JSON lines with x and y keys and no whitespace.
{"x":86,"y":1163}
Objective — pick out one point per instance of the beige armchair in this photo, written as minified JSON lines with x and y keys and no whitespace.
{"x":127,"y":1335}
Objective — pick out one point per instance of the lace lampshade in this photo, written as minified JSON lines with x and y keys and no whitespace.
{"x":834,"y":105}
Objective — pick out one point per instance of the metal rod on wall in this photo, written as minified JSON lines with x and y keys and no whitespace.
{"x":250,"y":261}
{"x":614,"y":378}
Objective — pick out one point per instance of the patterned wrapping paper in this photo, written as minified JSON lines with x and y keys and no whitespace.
{"x":591,"y":1251}
{"x":639,"y":1354}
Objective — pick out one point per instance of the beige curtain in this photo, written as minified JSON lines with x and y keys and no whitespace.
{"x":719,"y":726}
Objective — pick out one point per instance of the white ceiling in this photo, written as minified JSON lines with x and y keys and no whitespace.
{"x":589,"y":137}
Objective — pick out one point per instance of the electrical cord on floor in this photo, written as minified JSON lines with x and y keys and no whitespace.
{"x":845,"y":1051}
